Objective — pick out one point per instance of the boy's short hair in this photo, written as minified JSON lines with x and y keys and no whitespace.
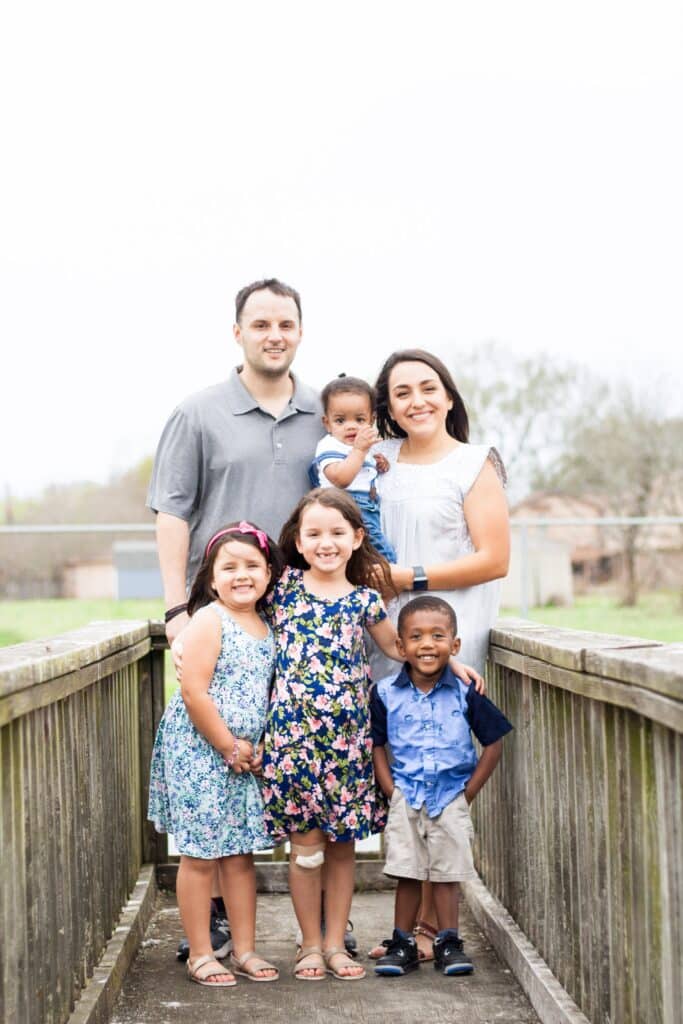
{"x":427,"y":603}
{"x":343,"y":385}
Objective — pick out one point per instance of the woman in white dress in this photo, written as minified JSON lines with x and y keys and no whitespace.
{"x":443,"y":510}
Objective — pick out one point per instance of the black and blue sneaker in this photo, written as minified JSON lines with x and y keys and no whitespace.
{"x":221,"y":939}
{"x":400,"y":957}
{"x":449,"y":954}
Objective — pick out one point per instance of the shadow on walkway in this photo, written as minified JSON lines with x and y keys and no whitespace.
{"x":157,"y":990}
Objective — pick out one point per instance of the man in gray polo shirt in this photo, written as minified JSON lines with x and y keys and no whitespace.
{"x":239,"y":449}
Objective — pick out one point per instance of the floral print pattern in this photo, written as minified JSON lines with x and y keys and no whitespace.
{"x":318,"y":756}
{"x":210,"y":811}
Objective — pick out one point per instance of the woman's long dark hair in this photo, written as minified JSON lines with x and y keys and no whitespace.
{"x":202,"y":592}
{"x":361,"y":569}
{"x":457,"y":423}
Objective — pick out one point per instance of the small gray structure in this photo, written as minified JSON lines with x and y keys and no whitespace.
{"x":136,"y":567}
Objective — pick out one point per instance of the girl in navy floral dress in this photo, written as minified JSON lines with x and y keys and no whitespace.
{"x":319,"y":786}
{"x":208,"y":747}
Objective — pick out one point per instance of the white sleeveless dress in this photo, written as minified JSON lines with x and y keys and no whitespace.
{"x":423,"y":518}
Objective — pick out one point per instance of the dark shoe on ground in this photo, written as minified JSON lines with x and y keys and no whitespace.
{"x":400,"y":957}
{"x":350,"y":942}
{"x":449,"y":954}
{"x":221,"y":940}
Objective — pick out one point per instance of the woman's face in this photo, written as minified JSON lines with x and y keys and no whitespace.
{"x":418,"y":401}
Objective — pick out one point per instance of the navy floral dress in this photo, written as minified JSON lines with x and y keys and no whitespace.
{"x":318,"y":756}
{"x":210,"y":811}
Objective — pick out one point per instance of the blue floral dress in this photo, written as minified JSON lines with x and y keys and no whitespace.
{"x":210,"y":811}
{"x":318,"y":756}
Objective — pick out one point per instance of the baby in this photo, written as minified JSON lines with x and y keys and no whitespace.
{"x":342,"y":457}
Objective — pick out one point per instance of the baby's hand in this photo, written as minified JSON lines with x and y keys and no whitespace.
{"x":365,"y":438}
{"x":381,"y":463}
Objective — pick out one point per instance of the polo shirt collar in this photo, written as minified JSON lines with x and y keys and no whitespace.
{"x":241,"y":400}
{"x":447,"y":678}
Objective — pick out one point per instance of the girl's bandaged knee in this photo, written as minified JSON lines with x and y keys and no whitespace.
{"x":309,"y":857}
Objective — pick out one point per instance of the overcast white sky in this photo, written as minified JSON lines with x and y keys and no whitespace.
{"x":424,"y":173}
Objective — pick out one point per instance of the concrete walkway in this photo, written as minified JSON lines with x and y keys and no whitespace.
{"x":157,"y":990}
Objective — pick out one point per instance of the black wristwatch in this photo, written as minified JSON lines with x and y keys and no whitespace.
{"x":420,"y":581}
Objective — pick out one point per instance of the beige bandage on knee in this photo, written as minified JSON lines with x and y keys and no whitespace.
{"x":309,"y":857}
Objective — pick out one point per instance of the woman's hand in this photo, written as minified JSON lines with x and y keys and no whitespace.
{"x":402,"y":577}
{"x":468,"y":675}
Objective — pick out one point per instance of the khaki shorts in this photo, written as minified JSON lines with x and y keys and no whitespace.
{"x":429,"y":849}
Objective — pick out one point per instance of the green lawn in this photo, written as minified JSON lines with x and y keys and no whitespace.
{"x":36,"y":620}
{"x":657,"y":616}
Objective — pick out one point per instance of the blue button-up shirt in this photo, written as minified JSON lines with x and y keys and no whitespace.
{"x":430,"y":737}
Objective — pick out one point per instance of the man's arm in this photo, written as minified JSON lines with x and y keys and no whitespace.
{"x":173,"y":545}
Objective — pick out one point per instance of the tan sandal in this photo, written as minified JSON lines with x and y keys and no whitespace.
{"x":239,"y":966}
{"x":422,"y":928}
{"x":331,"y":953}
{"x":314,"y":955}
{"x":202,"y":962}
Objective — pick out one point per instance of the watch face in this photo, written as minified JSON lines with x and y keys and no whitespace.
{"x":420,"y":583}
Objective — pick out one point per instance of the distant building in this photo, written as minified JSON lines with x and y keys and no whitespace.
{"x":90,"y":578}
{"x":544,"y":577}
{"x":597,"y":552}
{"x":136,"y":566}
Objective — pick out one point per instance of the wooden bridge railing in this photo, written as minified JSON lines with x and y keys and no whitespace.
{"x":77,"y":720}
{"x":580,"y":831}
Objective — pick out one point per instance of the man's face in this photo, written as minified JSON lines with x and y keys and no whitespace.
{"x":269,"y":332}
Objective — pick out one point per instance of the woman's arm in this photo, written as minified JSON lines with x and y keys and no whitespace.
{"x":486,"y":514}
{"x":201,"y":647}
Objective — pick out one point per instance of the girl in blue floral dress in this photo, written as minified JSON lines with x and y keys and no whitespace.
{"x":319,"y":786}
{"x":208,"y":746}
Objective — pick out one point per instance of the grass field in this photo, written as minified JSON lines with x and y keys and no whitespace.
{"x":658,"y":616}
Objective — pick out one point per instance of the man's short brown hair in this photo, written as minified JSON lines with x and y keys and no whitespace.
{"x":270,"y":284}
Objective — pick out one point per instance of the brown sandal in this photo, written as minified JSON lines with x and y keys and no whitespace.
{"x":313,"y":954}
{"x":422,"y":928}
{"x":202,"y":962}
{"x":331,"y":953}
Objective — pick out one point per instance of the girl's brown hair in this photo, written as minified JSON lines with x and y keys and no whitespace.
{"x":457,"y":423}
{"x":202,"y":593}
{"x":365,"y":562}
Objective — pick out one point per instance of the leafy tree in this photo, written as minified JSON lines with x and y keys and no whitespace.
{"x":627,"y":452}
{"x":524,"y":405}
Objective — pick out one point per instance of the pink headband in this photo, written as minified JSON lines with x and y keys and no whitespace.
{"x":243,"y":527}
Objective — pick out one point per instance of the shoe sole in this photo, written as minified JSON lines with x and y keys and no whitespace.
{"x":456,"y":969}
{"x":394,"y":971}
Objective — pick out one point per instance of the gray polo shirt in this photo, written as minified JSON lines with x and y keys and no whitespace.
{"x":222,"y":457}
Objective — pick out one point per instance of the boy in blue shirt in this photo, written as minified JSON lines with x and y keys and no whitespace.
{"x":425,"y":715}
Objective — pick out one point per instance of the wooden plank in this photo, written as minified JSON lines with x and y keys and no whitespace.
{"x":39,"y":695}
{"x":23,"y":666}
{"x":651,"y":705}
